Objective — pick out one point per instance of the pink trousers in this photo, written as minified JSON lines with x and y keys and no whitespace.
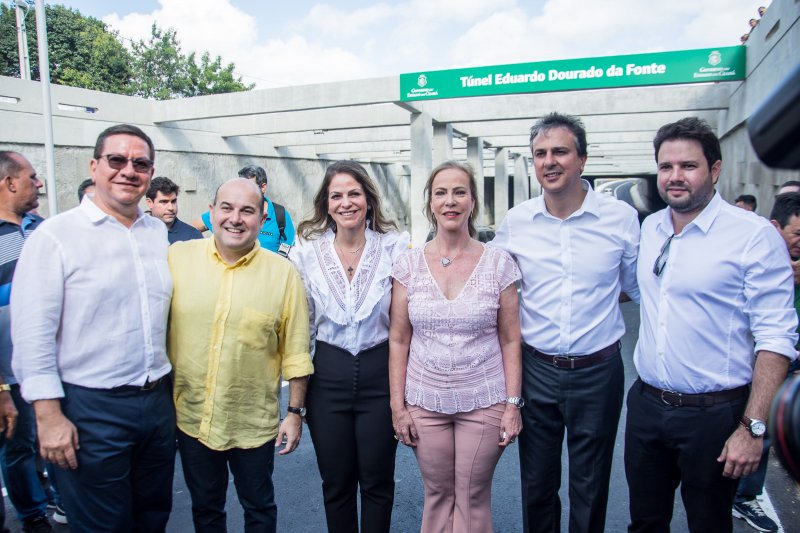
{"x":457,"y":455}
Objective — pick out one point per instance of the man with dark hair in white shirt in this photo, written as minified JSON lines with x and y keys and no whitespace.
{"x":89,"y":311}
{"x":714,"y":280}
{"x":577,"y":253}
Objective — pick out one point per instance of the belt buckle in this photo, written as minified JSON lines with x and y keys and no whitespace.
{"x":557,"y":358}
{"x":150,"y":385}
{"x":678,"y":394}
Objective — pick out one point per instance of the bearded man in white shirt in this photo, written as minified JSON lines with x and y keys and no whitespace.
{"x":89,"y":312}
{"x":577,"y":253}
{"x":714,"y":281}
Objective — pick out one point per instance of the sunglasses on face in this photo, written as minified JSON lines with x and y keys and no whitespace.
{"x":118,"y":162}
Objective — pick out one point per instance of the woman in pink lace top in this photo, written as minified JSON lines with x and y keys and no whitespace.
{"x":454,"y":356}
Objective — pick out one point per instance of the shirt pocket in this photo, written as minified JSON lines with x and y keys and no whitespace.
{"x":258,"y":331}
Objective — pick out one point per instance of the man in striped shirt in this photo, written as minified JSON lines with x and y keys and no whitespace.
{"x":19,"y":195}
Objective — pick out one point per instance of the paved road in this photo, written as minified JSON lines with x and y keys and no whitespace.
{"x":300,"y":498}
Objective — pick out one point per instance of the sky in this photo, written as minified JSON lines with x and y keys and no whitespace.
{"x":298,"y":42}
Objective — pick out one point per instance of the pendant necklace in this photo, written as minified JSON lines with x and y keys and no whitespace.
{"x":446,"y":261}
{"x":350,"y":268}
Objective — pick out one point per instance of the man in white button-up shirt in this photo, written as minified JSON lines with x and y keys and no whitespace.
{"x":577,"y":252}
{"x":714,"y":281}
{"x":89,"y":312}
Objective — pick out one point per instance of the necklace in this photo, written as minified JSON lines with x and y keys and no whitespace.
{"x":350,"y":268}
{"x":447,"y":261}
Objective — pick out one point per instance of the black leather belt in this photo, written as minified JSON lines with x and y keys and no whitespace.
{"x":706,"y":399}
{"x":147,"y":387}
{"x":574,"y":362}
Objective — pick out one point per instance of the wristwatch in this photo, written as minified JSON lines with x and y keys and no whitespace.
{"x":516,"y":401}
{"x":756,"y":427}
{"x":5,"y":387}
{"x":296,"y":410}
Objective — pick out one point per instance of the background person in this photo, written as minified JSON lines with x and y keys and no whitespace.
{"x":89,"y":314}
{"x":454,"y":368}
{"x":746,"y":201}
{"x":785,"y":217}
{"x":19,"y":195}
{"x":86,"y":187}
{"x":789,"y":186}
{"x":162,"y":201}
{"x":345,"y":257}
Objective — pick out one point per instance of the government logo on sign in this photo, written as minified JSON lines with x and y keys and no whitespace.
{"x":714,"y":58}
{"x":422,"y":81}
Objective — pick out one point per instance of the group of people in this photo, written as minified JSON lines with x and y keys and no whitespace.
{"x":125,"y":344}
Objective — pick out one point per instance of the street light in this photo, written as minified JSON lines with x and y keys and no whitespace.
{"x":22,"y":9}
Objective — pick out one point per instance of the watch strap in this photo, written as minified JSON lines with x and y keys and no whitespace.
{"x":748,"y":424}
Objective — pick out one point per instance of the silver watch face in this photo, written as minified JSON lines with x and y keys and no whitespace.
{"x":758,"y":428}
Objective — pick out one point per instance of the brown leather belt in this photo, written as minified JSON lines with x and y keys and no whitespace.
{"x":575,"y":362}
{"x":706,"y":399}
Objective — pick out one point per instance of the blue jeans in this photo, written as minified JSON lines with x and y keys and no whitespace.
{"x":18,"y":463}
{"x":206,"y":474}
{"x":753,"y":485}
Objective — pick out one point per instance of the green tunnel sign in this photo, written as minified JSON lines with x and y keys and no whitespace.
{"x":662,"y":68}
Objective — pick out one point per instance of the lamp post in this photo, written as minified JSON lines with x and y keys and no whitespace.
{"x":22,"y":9}
{"x":47,"y":112}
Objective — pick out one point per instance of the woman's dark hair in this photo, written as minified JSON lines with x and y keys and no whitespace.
{"x":320,"y":220}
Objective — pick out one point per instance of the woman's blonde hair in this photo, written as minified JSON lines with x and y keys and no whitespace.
{"x":466,"y":168}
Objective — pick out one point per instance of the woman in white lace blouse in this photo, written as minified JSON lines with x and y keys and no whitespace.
{"x":455,"y":362}
{"x":345,"y":257}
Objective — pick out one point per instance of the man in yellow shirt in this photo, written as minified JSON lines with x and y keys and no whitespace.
{"x":238,"y":320}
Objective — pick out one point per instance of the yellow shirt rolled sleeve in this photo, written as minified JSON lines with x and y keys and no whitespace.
{"x":233,"y":331}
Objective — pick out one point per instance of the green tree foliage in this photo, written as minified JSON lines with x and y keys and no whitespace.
{"x":210,"y":77}
{"x":159,"y":67}
{"x":84,"y":52}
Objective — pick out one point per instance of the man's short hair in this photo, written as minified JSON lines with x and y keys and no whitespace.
{"x":692,"y":129}
{"x":122,"y":129}
{"x":254,"y":171}
{"x":85,"y":184}
{"x":559,"y":120}
{"x":9,"y":163}
{"x":163,"y":185}
{"x":786,"y":206}
{"x":790,"y":183}
{"x":747,"y":199}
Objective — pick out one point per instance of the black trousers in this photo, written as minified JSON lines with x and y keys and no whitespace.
{"x":126,"y":459}
{"x":587,"y":403}
{"x":666,"y":446}
{"x":206,"y":474}
{"x":350,"y":422}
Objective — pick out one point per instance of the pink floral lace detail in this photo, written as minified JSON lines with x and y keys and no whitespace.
{"x":455,"y":363}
